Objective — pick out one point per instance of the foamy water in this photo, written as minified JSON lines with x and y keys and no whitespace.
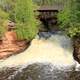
{"x":56,"y":50}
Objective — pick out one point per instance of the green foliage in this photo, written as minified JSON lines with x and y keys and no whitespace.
{"x":5,"y":9}
{"x":48,"y":2}
{"x":27,"y":25}
{"x":3,"y":16}
{"x":69,"y":20}
{"x":22,"y":12}
{"x":74,"y":30}
{"x":7,"y":5}
{"x":64,"y":16}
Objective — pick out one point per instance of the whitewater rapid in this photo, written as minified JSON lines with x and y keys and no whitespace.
{"x":55,"y":49}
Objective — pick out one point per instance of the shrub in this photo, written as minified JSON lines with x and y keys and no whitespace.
{"x":69,"y":20}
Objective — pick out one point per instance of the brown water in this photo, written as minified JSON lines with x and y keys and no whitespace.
{"x":56,"y":50}
{"x":48,"y":58}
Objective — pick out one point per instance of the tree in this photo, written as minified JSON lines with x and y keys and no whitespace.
{"x":6,"y":7}
{"x":21,"y":12}
{"x":27,"y":25}
{"x":69,"y":18}
{"x":3,"y":17}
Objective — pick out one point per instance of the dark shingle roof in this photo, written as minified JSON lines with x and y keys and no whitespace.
{"x":54,"y":7}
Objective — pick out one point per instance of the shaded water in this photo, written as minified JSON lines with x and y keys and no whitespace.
{"x":49,"y":57}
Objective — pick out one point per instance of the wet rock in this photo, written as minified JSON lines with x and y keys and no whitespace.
{"x":45,"y":35}
{"x":38,"y":71}
{"x":76,"y":54}
{"x":6,"y":72}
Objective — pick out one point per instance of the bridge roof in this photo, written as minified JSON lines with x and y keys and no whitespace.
{"x":50,"y":8}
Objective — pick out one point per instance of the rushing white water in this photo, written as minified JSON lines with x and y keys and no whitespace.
{"x":50,"y":48}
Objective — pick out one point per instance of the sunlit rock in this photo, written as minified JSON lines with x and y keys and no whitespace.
{"x":10,"y":44}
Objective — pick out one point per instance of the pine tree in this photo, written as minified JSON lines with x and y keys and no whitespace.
{"x":69,"y":19}
{"x":25,"y":19}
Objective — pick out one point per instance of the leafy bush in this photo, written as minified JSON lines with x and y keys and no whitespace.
{"x":69,"y":20}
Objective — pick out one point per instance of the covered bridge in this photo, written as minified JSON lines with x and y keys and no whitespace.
{"x":48,"y":16}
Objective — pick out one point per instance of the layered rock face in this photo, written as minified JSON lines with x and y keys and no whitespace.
{"x":10,"y":44}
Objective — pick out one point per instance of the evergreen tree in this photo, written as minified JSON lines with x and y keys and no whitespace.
{"x":27,"y":25}
{"x":3,"y":17}
{"x":69,"y":18}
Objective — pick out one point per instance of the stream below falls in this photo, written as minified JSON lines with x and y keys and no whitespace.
{"x":49,"y":57}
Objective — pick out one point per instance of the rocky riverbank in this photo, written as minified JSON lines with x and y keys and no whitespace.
{"x":38,"y":71}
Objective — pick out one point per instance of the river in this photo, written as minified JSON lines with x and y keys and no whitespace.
{"x":49,"y":57}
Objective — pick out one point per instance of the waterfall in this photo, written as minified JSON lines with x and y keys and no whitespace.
{"x":47,"y":47}
{"x":48,"y":53}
